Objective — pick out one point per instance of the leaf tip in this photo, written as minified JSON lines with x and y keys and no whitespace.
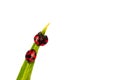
{"x":45,"y":28}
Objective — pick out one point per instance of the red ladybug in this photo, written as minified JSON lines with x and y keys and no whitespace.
{"x":40,"y":39}
{"x":30,"y":55}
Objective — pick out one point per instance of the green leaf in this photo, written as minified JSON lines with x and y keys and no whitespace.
{"x":26,"y":69}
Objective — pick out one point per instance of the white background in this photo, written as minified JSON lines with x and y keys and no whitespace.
{"x":84,"y":38}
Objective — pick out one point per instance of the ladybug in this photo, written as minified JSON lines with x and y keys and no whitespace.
{"x":40,"y":39}
{"x":30,"y":55}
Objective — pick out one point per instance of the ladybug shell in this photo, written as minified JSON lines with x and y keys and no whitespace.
{"x":30,"y":55}
{"x":45,"y":40}
{"x":40,"y":39}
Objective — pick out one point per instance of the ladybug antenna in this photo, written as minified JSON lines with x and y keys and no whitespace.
{"x":45,"y":28}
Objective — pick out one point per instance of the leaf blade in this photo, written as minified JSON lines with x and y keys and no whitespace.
{"x":27,"y":68}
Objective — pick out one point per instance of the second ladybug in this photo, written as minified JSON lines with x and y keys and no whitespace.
{"x":30,"y":55}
